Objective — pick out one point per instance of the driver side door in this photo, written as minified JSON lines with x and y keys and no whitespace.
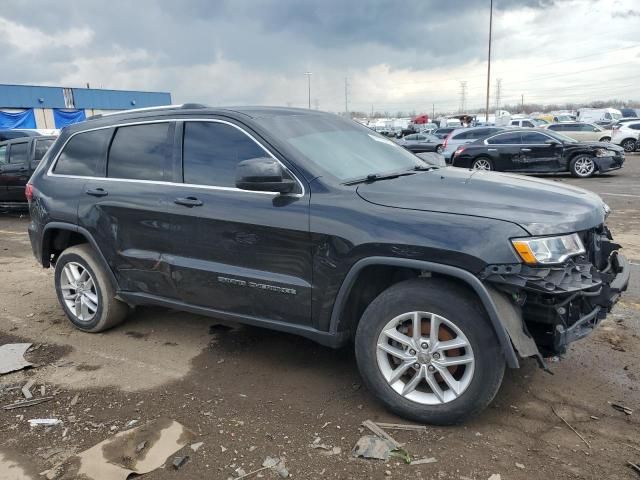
{"x":241,"y":253}
{"x":537,"y":154}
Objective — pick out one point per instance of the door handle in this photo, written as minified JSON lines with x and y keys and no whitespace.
{"x":96,"y":192}
{"x":188,"y":201}
{"x":492,"y":149}
{"x":23,"y":169}
{"x":525,"y":149}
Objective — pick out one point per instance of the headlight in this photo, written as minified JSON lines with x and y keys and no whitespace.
{"x":547,"y":250}
{"x":603,"y":152}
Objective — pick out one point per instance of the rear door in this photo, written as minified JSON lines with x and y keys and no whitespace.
{"x":4,"y":160}
{"x":240,"y":252}
{"x":15,"y":172}
{"x":124,"y":206}
{"x":504,"y":150}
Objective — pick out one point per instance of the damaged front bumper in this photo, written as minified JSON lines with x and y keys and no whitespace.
{"x":560,"y":304}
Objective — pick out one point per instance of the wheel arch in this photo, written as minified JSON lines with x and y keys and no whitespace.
{"x":341,"y":304}
{"x":57,"y":236}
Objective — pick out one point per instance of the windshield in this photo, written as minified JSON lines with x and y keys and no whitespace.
{"x":616,"y":116}
{"x":560,"y":137}
{"x":342,"y":148}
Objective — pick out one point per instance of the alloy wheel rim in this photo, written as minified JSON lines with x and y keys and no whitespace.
{"x":481,"y":164}
{"x":79,"y":292}
{"x":629,"y":146}
{"x":584,"y":166}
{"x":425,"y":358}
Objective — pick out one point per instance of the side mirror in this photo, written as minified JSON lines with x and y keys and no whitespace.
{"x":596,"y":129}
{"x":552,"y":142}
{"x":263,"y":175}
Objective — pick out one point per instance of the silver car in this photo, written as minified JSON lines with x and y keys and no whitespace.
{"x":462,"y":136}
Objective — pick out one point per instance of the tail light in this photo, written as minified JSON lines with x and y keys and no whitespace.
{"x":446,"y":140}
{"x":459,"y":150}
{"x":28,"y":192}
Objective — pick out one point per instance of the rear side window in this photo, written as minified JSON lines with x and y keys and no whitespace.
{"x":3,"y":154}
{"x":41,"y":148}
{"x":212,"y":150}
{"x":527,"y":124}
{"x":635,"y":126}
{"x":505,"y":139}
{"x":83,"y":153}
{"x":140,"y":152}
{"x":19,"y":153}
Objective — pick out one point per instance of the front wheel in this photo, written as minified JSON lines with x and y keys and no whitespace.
{"x":582,"y":166}
{"x":85,"y":291}
{"x":426,"y":349}
{"x":629,"y":145}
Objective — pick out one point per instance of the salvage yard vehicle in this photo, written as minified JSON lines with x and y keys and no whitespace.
{"x":309,"y":223}
{"x":627,"y":135}
{"x":536,"y":151}
{"x":18,"y":160}
{"x":421,"y":142}
{"x":588,"y":132}
{"x":462,"y":136}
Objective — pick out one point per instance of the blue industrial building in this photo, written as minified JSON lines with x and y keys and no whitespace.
{"x":30,"y":106}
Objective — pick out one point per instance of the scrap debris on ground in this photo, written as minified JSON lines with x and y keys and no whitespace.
{"x":12,"y":357}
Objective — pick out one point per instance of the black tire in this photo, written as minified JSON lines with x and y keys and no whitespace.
{"x":439,"y":149}
{"x":459,"y":306}
{"x":605,"y":139}
{"x":578,"y":165}
{"x":110,"y":311}
{"x":629,"y":145}
{"x":479,"y":160}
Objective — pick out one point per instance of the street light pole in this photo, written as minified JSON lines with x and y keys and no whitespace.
{"x":489,"y":60}
{"x":308,"y":74}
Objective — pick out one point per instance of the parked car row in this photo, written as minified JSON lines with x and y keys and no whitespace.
{"x":532,"y":151}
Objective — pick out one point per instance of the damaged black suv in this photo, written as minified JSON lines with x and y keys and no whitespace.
{"x":311,"y":224}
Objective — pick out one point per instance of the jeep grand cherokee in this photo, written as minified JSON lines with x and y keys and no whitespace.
{"x":308,"y":223}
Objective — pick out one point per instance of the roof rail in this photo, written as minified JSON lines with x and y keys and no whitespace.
{"x":183,"y":106}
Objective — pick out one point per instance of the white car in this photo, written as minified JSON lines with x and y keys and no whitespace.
{"x":582,"y":132}
{"x":627,"y":135}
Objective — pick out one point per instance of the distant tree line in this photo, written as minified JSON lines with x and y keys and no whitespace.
{"x":513,"y":108}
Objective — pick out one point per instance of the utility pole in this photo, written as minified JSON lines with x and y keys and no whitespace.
{"x":463,"y":95}
{"x":489,"y":59}
{"x":498,"y":91}
{"x":308,"y":74}
{"x":433,"y":112}
{"x":346,"y":96}
{"x":522,"y":104}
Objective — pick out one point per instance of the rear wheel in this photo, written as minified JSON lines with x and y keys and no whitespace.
{"x":605,"y":139}
{"x":426,"y":349}
{"x":629,"y":145}
{"x":85,"y":291}
{"x":439,"y":149}
{"x":482,"y":163}
{"x":582,"y":166}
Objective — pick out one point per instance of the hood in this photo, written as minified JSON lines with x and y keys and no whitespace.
{"x":541,"y":207}
{"x":607,"y":145}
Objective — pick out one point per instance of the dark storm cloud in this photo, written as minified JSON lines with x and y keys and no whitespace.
{"x":274,"y":34}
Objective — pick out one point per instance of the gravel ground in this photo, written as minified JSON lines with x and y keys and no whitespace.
{"x":248,"y":393}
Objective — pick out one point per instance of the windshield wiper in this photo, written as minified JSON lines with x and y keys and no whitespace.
{"x":374,"y":177}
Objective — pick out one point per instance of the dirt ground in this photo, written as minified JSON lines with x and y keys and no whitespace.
{"x":249,"y":393}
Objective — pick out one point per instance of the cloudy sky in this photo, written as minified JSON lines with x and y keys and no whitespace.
{"x":395,"y":54}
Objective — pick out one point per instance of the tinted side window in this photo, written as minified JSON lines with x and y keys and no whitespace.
{"x":505,"y":139}
{"x":211,"y":152}
{"x":83,"y":153}
{"x":3,"y":155}
{"x":462,"y":136}
{"x":140,"y":152}
{"x":556,"y":128}
{"x":534,"y":138}
{"x":19,"y":153}
{"x":41,"y":148}
{"x":635,"y":126}
{"x":527,"y":124}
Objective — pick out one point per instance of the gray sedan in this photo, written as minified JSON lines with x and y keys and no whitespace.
{"x":421,"y":142}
